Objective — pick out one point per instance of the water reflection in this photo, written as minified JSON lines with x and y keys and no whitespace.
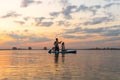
{"x":56,"y":58}
{"x":63,"y":58}
{"x":39,"y":65}
{"x":62,"y":71}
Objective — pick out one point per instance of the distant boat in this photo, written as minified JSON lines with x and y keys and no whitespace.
{"x":63,"y":52}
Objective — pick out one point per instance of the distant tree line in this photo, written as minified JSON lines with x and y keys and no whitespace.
{"x":29,"y":48}
{"x":15,"y":48}
{"x":103,"y":48}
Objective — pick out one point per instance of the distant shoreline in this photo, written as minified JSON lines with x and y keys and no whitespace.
{"x":72,"y":49}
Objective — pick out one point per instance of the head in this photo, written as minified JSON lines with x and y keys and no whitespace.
{"x":62,"y":43}
{"x":56,"y":39}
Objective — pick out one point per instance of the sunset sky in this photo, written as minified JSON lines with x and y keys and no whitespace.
{"x":79,"y":23}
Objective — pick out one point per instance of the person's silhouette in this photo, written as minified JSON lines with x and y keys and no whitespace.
{"x":56,"y":44}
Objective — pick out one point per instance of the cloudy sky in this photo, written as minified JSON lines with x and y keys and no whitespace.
{"x":79,"y":23}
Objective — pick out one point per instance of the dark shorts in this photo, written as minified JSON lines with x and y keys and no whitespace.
{"x":56,"y":48}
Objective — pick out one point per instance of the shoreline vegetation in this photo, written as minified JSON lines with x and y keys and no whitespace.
{"x":45,"y":48}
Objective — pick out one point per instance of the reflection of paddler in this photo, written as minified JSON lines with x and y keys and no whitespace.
{"x":56,"y":44}
{"x":56,"y":58}
{"x":63,"y":58}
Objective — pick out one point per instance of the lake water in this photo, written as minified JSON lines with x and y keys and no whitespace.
{"x":39,"y":65}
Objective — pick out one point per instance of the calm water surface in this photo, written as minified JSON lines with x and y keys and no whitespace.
{"x":39,"y":65}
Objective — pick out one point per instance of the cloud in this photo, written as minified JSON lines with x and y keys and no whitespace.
{"x":26,"y":3}
{"x":112,"y":0}
{"x":54,"y":14}
{"x":47,"y":24}
{"x":75,"y":30}
{"x":82,"y":8}
{"x":26,"y":18}
{"x":20,"y":22}
{"x":68,"y":10}
{"x":64,"y":2}
{"x":103,"y":31}
{"x":39,"y":39}
{"x":98,"y":20}
{"x":105,"y":40}
{"x":112,"y":31}
{"x":38,"y":20}
{"x":110,"y":4}
{"x":113,"y":39}
{"x":65,"y":23}
{"x":16,"y":36}
{"x":89,"y":31}
{"x":76,"y":37}
{"x":98,"y":30}
{"x":26,"y":30}
{"x":10,"y":14}
{"x":27,"y":38}
{"x":61,"y":23}
{"x":93,"y":8}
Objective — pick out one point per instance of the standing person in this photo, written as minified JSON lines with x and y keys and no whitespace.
{"x":56,"y":44}
{"x":63,"y":46}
